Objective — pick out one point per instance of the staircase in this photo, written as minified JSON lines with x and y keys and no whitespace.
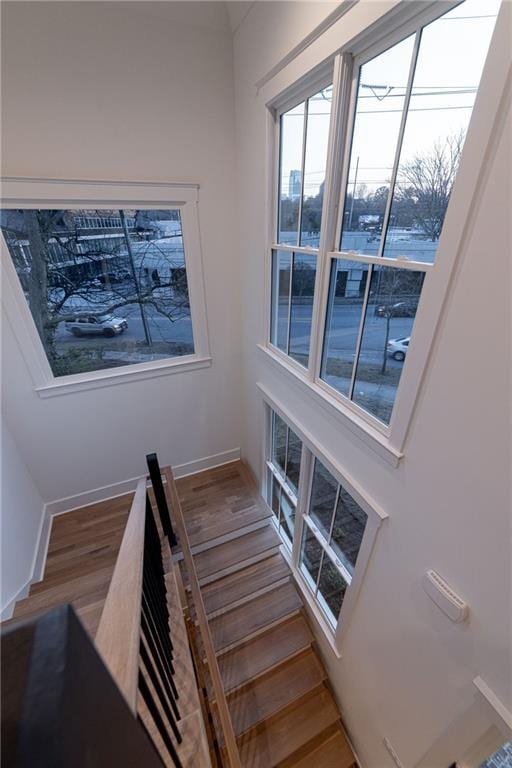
{"x":281,"y":709}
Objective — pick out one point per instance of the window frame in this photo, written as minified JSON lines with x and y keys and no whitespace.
{"x":388,"y":440}
{"x":311,"y":449}
{"x":20,"y":192}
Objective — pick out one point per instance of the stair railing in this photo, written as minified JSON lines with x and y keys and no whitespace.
{"x":133,"y":636}
{"x":218,"y":688}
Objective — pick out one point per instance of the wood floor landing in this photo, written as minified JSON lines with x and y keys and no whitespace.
{"x":82,"y":553}
{"x":281,"y":708}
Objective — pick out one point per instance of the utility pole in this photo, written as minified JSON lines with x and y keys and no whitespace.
{"x":353,"y":195}
{"x":134,"y":275}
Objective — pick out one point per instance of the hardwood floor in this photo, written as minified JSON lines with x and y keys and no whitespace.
{"x":82,"y":552}
{"x":282,"y":711}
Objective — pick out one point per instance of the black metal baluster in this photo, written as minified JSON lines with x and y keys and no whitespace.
{"x":161,"y":501}
{"x":159,"y":691}
{"x":165,"y":664}
{"x":155,"y":714}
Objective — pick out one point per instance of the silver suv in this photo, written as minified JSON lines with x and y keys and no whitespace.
{"x":87,"y":325}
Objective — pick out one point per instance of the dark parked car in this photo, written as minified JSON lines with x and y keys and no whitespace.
{"x":400,"y":309}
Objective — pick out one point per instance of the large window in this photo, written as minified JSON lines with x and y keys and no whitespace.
{"x":403,"y":111}
{"x":103,"y":287}
{"x":322,"y":520}
{"x":106,"y":288}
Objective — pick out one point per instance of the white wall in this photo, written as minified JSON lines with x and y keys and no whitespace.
{"x":22,"y":514}
{"x":126,"y":91}
{"x":406,"y":671}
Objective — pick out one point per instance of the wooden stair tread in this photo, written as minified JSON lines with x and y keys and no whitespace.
{"x":272,"y":692}
{"x":276,"y":739}
{"x":333,"y":751}
{"x":242,"y":622}
{"x":219,"y":501}
{"x":262,"y":653}
{"x":224,"y":556}
{"x":236,"y":586}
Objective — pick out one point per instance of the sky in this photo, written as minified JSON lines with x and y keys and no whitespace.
{"x":449,"y":66}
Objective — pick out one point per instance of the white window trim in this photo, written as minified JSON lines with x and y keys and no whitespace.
{"x":69,"y":194}
{"x":473,"y":170}
{"x":376,"y":515}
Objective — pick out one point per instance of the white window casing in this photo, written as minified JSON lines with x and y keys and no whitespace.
{"x":77,"y":194}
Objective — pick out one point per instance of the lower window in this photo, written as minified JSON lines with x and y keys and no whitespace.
{"x":106,"y":288}
{"x":333,"y":530}
{"x":283,"y":469}
{"x":331,"y":522}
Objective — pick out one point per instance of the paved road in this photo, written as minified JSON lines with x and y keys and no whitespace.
{"x":343,"y":332}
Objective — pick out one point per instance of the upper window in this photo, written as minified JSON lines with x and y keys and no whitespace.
{"x":304,"y":132}
{"x":394,"y":158}
{"x":105,"y":287}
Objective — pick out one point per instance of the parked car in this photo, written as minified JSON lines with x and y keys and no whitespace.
{"x":400,"y":309}
{"x":84,"y":324}
{"x":397,"y":348}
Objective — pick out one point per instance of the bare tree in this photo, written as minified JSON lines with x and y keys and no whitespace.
{"x":51,"y":285}
{"x":427,"y":180}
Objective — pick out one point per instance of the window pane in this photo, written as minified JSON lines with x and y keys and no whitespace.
{"x":279,"y":435}
{"x":290,"y":174}
{"x":293,"y":460}
{"x":347,"y":288}
{"x":348,"y":529}
{"x":445,"y":84}
{"x":323,"y":498}
{"x":380,"y":103}
{"x":106,"y":288}
{"x":310,"y":554}
{"x":276,"y":496}
{"x":332,"y":587}
{"x":281,"y":276}
{"x":287,"y":518}
{"x":389,"y":318}
{"x":301,"y":311}
{"x":317,"y":134}
{"x":502,"y":758}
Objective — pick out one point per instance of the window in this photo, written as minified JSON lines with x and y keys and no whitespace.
{"x":402,"y":114}
{"x":326,"y":525}
{"x":332,"y":534}
{"x":304,"y":131}
{"x":283,"y":469}
{"x":107,"y":287}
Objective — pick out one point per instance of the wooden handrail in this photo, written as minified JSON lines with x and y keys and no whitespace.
{"x":118,"y":636}
{"x":218,"y":688}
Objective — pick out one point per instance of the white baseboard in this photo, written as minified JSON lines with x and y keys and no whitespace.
{"x":69,"y":503}
{"x":209,"y":462}
{"x":8,"y":608}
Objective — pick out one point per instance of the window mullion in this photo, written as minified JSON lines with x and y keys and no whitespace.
{"x":360,"y":331}
{"x":329,"y":537}
{"x":403,"y":121}
{"x":289,"y":329}
{"x":303,"y":168}
{"x":342,"y":77}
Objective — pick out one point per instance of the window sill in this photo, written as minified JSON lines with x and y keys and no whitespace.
{"x":350,"y":420}
{"x":97,"y":379}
